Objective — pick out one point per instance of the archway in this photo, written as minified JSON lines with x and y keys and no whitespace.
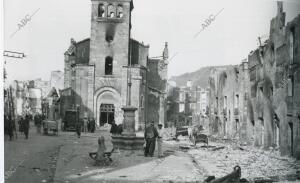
{"x":107,"y":106}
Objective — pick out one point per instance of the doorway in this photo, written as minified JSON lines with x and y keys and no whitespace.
{"x":107,"y":114}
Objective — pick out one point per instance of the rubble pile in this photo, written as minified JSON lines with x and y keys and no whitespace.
{"x":253,"y":162}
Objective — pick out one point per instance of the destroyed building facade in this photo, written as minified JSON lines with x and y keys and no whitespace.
{"x":228,"y":101}
{"x":97,"y":70}
{"x":258,"y":101}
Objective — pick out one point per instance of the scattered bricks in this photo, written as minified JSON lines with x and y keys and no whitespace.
{"x":218,"y":148}
{"x":262,"y":180}
{"x":274,"y":178}
{"x":298,"y":174}
{"x":291,"y":177}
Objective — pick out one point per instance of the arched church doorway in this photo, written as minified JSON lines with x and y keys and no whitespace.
{"x":107,"y":114}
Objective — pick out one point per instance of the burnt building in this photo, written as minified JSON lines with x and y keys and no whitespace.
{"x":97,"y":69}
{"x":187,"y":105}
{"x":275,"y":87}
{"x":258,"y":102}
{"x":228,"y":101}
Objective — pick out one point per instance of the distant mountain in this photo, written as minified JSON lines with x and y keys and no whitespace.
{"x":198,"y":78}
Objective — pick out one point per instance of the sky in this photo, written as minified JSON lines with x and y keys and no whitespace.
{"x":228,"y":39}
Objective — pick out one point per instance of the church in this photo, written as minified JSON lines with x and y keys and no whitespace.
{"x":97,"y":70}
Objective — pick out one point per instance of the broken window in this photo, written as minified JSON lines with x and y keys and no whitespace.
{"x":237,"y":125}
{"x":225,"y":102}
{"x":111,"y":12}
{"x":108,"y":66}
{"x":101,"y":10}
{"x":120,"y":11}
{"x":292,"y":44}
{"x":290,"y":86}
{"x":142,"y":101}
{"x":271,"y":91}
{"x":236,"y":101}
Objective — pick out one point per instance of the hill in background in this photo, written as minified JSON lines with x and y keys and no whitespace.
{"x":199,"y":77}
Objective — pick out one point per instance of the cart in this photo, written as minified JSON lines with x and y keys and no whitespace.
{"x":49,"y":125}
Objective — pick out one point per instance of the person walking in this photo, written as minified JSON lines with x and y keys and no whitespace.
{"x":85,"y":124}
{"x":92,"y":124}
{"x":159,"y":140}
{"x":39,"y":123}
{"x":78,"y":127}
{"x":21,"y":122}
{"x":26,"y":126}
{"x":150,"y":137}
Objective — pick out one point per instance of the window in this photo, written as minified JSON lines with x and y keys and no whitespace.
{"x":271,"y":91}
{"x":236,"y":101}
{"x":225,"y":102}
{"x":292,"y":44}
{"x":290,"y":87}
{"x":101,"y":10}
{"x":111,"y":12}
{"x":108,"y":66}
{"x":237,"y":125}
{"x":142,"y":101}
{"x":120,"y":11}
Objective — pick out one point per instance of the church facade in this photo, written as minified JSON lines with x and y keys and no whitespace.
{"x":97,"y":70}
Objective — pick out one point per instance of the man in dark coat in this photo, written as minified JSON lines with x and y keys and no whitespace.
{"x":150,"y":137}
{"x":114,"y":128}
{"x":78,"y":126}
{"x":21,"y":122}
{"x":11,"y":127}
{"x":26,"y":126}
{"x":92,"y":124}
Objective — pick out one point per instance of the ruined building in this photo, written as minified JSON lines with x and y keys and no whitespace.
{"x":258,"y":102}
{"x":96,"y":69}
{"x":274,"y":108}
{"x":228,"y":101}
{"x":188,"y":104}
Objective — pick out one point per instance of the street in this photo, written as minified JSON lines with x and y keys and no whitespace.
{"x":64,"y":159}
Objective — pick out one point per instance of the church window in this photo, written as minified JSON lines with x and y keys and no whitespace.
{"x":111,"y":12}
{"x":101,"y":10}
{"x":120,"y":11}
{"x":108,"y":65}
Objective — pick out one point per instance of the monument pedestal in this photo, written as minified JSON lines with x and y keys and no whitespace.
{"x":128,"y":139}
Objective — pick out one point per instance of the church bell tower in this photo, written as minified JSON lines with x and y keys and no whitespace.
{"x":110,"y":35}
{"x":109,"y":53}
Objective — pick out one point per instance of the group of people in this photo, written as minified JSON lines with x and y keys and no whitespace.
{"x":152,"y":134}
{"x":116,"y":129}
{"x":9,"y":126}
{"x":85,"y":125}
{"x":24,"y":125}
{"x":38,"y":119}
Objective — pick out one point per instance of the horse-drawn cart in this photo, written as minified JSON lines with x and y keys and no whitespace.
{"x":50,"y":125}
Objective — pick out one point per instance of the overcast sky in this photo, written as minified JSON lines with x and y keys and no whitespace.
{"x":227,"y":40}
